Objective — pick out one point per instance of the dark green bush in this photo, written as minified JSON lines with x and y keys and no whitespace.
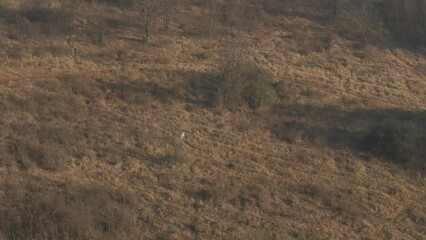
{"x":399,"y":141}
{"x":256,"y":93}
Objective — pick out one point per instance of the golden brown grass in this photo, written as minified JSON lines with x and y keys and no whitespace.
{"x":80,"y":120}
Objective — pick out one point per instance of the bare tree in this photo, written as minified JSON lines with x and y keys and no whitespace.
{"x":149,"y":11}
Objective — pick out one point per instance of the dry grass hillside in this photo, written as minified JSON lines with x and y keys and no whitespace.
{"x":277,"y":100}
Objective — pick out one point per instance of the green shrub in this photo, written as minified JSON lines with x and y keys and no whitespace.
{"x":257,"y":93}
{"x":245,"y":84}
{"x":399,"y":141}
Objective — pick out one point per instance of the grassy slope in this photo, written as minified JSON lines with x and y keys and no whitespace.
{"x":105,"y":116}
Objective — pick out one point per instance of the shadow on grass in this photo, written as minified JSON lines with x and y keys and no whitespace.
{"x":334,"y":127}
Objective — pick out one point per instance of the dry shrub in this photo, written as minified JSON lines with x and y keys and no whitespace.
{"x":291,"y":132}
{"x":172,"y":148}
{"x":131,"y":91}
{"x":342,"y":202}
{"x":63,"y":98}
{"x":348,"y":27}
{"x":203,"y":54}
{"x":16,"y":52}
{"x":244,"y":124}
{"x":188,"y":23}
{"x":26,"y":153}
{"x":123,"y":54}
{"x":55,"y":105}
{"x":221,"y":190}
{"x":114,"y":22}
{"x":220,"y":18}
{"x":55,"y":134}
{"x":308,"y":42}
{"x":32,"y":21}
{"x":82,"y":86}
{"x":246,"y":17}
{"x":160,"y":42}
{"x":295,"y":132}
{"x":53,"y":49}
{"x":284,"y":88}
{"x":163,"y":59}
{"x":254,"y":195}
{"x":19,"y":28}
{"x":255,"y":18}
{"x":30,"y":211}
